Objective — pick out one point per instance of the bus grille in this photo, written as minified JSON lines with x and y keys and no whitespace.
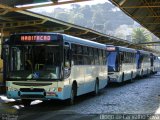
{"x":31,"y":90}
{"x":31,"y":84}
{"x":32,"y":93}
{"x":32,"y":96}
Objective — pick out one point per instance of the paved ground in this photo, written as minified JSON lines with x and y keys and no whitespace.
{"x":141,"y":97}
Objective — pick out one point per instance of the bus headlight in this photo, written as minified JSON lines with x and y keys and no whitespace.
{"x":12,"y":89}
{"x":52,"y":90}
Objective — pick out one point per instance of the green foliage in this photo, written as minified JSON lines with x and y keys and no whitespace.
{"x":63,"y":16}
{"x":92,"y":15}
{"x":141,"y":35}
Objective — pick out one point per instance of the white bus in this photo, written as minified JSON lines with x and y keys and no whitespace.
{"x":156,"y":63}
{"x":53,"y":66}
{"x":143,"y":60}
{"x":121,"y":64}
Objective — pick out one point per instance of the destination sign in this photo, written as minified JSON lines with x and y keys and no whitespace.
{"x":36,"y":38}
{"x":111,"y":48}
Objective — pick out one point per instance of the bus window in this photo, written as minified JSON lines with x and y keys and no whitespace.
{"x":67,"y":60}
{"x":91,"y":54}
{"x":79,"y":49}
{"x":74,"y":56}
{"x":39,"y":58}
{"x":104,"y":57}
{"x":121,"y":57}
{"x":100,"y":57}
{"x":67,"y":57}
{"x":85,"y":55}
{"x":85,"y":50}
{"x":41,"y":65}
{"x":96,"y":56}
{"x":112,"y":56}
{"x":117,"y":62}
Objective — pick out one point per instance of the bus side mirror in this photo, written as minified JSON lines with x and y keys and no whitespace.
{"x":67,"y":51}
{"x":67,"y":55}
{"x":67,"y":64}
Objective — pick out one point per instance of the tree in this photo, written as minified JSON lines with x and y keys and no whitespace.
{"x":79,"y":19}
{"x":140,"y":35}
{"x":63,"y":16}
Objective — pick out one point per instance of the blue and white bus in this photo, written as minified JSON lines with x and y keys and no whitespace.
{"x":155,"y":63}
{"x":53,"y":66}
{"x":143,"y":61}
{"x":121,"y":63}
{"x":158,"y":63}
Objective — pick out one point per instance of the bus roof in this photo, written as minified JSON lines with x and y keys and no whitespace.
{"x":120,"y":48}
{"x":81,"y":41}
{"x":68,"y":38}
{"x":143,"y":52}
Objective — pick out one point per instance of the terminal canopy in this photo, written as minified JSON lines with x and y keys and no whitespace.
{"x":146,"y":12}
{"x":15,"y":18}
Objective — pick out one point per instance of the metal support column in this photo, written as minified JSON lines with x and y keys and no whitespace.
{"x":2,"y":82}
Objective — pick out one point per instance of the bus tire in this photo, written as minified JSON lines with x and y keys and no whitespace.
{"x":131,"y":80}
{"x":96,"y":88}
{"x":122,"y":78}
{"x":147,"y":73}
{"x":73,"y":94}
{"x":141,"y":74}
{"x":109,"y":80}
{"x":26,"y":102}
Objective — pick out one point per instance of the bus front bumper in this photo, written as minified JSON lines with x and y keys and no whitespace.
{"x":40,"y":94}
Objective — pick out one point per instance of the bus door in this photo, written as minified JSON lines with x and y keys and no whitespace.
{"x":152,"y":60}
{"x":67,"y":60}
{"x":77,"y":67}
{"x":141,"y":61}
{"x":120,"y":60}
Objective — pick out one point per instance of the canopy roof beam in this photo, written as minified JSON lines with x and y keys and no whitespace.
{"x":5,"y":25}
{"x":41,"y":5}
{"x":144,"y":6}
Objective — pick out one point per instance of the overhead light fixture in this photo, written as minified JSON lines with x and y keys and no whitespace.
{"x":28,"y":5}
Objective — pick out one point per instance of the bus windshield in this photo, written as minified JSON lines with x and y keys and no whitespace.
{"x":112,"y":61}
{"x":34,"y":62}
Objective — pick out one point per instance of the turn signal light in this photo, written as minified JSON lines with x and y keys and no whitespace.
{"x":59,"y":89}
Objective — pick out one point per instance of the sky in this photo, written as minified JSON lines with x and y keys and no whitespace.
{"x":50,"y":9}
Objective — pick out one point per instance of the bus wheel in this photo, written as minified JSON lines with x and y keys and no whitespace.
{"x":122,"y":78}
{"x":142,"y":74}
{"x":73,"y":94}
{"x":96,"y":88}
{"x":109,"y":80}
{"x":26,"y":102}
{"x":131,"y":80}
